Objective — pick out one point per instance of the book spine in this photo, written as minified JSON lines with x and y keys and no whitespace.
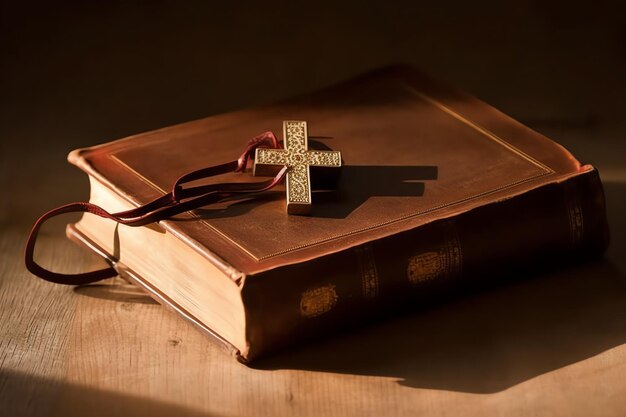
{"x":494,"y":243}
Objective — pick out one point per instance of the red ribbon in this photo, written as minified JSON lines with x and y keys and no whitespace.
{"x":179,"y":200}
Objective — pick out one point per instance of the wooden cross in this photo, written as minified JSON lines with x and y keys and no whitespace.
{"x":297,"y":158}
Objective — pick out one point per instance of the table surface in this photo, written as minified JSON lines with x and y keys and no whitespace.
{"x":554,"y":344}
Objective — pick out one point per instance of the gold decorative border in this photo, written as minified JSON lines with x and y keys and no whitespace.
{"x":546,"y":171}
{"x":480,"y":129}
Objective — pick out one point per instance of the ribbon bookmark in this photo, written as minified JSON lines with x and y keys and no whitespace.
{"x":179,"y":200}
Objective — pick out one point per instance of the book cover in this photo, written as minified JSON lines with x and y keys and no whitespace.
{"x":422,"y":164}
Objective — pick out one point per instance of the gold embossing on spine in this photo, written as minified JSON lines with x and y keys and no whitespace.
{"x":369,"y":273}
{"x":574,"y":215}
{"x":318,"y":301}
{"x":442,"y":263}
{"x":425,"y":266}
{"x":452,"y":248}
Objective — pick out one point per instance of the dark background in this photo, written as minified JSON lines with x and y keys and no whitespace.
{"x":76,"y":74}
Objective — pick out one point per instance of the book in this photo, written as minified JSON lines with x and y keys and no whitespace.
{"x":438,"y":191}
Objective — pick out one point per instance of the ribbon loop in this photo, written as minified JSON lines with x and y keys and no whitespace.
{"x":178,"y":201}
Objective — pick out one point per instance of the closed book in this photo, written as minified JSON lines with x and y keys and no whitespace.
{"x":437,"y":191}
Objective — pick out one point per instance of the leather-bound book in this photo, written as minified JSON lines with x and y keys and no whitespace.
{"x":437,"y":192}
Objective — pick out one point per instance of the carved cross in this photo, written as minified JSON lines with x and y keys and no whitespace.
{"x":298,"y":158}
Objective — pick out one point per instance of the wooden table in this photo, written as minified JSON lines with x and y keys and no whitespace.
{"x":554,"y":344}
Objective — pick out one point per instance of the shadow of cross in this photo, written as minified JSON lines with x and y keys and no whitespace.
{"x":358,"y":183}
{"x":298,"y":158}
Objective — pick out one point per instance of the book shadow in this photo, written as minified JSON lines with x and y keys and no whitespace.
{"x":118,"y":290}
{"x":23,"y":394}
{"x":338,"y":197}
{"x":484,"y":342}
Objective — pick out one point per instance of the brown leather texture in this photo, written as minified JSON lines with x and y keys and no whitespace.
{"x":414,"y":152}
{"x":549,"y":227}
